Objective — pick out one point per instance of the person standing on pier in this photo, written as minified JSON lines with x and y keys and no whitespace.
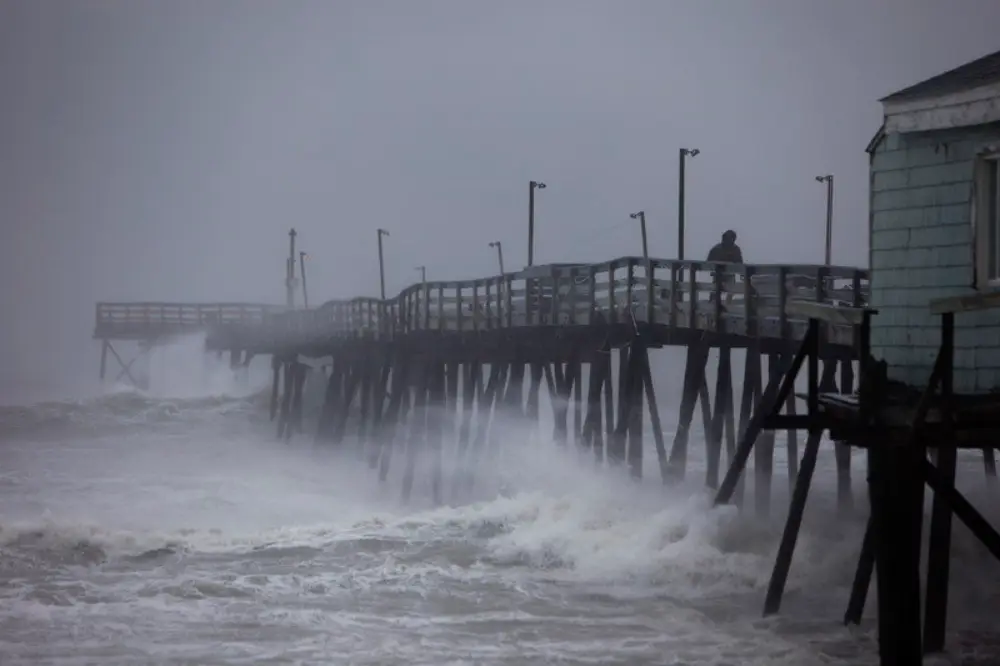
{"x":727,"y":251}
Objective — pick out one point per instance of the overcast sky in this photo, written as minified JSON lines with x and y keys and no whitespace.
{"x":161,"y":149}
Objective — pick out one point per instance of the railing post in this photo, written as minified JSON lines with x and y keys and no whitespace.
{"x":650,"y":292}
{"x":676,"y":297}
{"x":592,"y":306}
{"x":822,"y":276}
{"x":612,"y":305}
{"x":427,"y":305}
{"x":555,"y":298}
{"x":475,"y":305}
{"x":571,"y":295}
{"x":718,"y":287}
{"x":509,"y":297}
{"x":629,"y":279}
{"x":783,"y":328}
{"x":693,"y":268}
{"x":489,"y":303}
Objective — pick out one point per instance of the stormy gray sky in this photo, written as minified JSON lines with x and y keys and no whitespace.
{"x":161,"y":149}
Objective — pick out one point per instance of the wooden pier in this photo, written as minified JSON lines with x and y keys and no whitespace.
{"x":423,"y":376}
{"x":465,"y":347}
{"x":148,"y":325}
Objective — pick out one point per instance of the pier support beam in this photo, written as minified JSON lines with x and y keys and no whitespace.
{"x":125,"y":369}
{"x":693,"y":389}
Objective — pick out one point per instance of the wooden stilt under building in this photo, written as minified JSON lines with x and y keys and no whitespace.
{"x":897,"y":426}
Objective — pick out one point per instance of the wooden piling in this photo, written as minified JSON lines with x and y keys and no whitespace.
{"x":416,"y":423}
{"x":694,"y":379}
{"x":380,"y":398}
{"x":288,"y":390}
{"x":577,"y":366}
{"x":722,"y":424}
{"x":533,"y":411}
{"x":275,"y":385}
{"x":486,"y":410}
{"x":300,"y":372}
{"x":367,"y":369}
{"x":514,"y":392}
{"x":104,"y":359}
{"x":399,"y":398}
{"x":593,"y":436}
{"x":436,"y":411}
{"x":763,"y":460}
{"x":617,"y":443}
{"x":638,"y":362}
{"x":841,"y":450}
{"x":654,"y":419}
{"x":470,"y":382}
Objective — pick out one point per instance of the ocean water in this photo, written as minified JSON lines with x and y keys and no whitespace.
{"x":169,"y":527}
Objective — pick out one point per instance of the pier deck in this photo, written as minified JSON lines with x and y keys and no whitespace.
{"x":678,"y":302}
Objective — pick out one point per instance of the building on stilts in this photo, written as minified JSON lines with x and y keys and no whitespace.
{"x":928,"y":353}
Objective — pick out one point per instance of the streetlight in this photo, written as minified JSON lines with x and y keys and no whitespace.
{"x":499,"y":246}
{"x":828,"y":179}
{"x":305,"y":289}
{"x":381,"y":262}
{"x":290,"y":270}
{"x":532,"y":186}
{"x":641,"y":216}
{"x":423,"y":273}
{"x":684,"y":152}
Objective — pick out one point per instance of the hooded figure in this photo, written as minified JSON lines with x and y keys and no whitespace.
{"x":727,"y":250}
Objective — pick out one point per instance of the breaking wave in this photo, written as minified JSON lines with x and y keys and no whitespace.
{"x":120,"y":409}
{"x":585,"y":547}
{"x":166,"y":524}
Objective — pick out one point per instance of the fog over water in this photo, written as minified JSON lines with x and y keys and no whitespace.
{"x":155,"y":150}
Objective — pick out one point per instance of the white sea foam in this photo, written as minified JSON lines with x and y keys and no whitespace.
{"x":207,"y":541}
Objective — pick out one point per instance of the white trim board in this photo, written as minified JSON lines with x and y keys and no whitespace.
{"x":977,"y":106}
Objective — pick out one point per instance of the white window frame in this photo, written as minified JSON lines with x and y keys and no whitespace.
{"x":986,"y":218}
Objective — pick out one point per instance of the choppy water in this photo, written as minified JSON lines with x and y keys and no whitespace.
{"x":156,"y":530}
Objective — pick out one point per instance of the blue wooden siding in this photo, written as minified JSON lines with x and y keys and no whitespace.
{"x":921,"y":249}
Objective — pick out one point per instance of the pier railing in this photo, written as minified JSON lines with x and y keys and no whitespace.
{"x":144,"y":320}
{"x":740,"y":299}
{"x":727,"y":298}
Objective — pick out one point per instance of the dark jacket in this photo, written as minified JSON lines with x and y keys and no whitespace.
{"x":727,"y":253}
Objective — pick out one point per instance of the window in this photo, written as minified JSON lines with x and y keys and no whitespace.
{"x":987,"y":215}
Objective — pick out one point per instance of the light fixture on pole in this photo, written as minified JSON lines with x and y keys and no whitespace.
{"x":828,"y":179}
{"x":381,"y":262}
{"x":302,"y":269}
{"x":499,"y":246}
{"x":641,"y":216}
{"x":532,"y":186}
{"x":290,"y":270}
{"x":684,"y":153}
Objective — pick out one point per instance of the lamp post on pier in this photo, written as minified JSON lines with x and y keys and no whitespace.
{"x":532,"y":186}
{"x":641,"y":216}
{"x":683,"y":154}
{"x":423,"y":273}
{"x":381,"y":262}
{"x":499,"y":246}
{"x":302,"y":269}
{"x":828,"y":179}
{"x":290,"y":270}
